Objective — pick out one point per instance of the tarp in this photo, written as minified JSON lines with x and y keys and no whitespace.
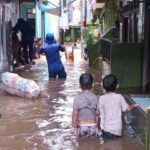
{"x":49,"y":7}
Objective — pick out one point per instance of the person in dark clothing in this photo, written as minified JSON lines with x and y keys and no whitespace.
{"x":16,"y":46}
{"x":51,"y":50}
{"x":86,"y":52}
{"x":27,"y":39}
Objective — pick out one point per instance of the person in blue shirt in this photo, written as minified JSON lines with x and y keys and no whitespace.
{"x":51,"y":51}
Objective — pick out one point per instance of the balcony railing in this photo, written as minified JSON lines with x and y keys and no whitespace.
{"x":131,"y":7}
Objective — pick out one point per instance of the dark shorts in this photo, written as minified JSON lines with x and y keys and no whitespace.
{"x":59,"y":74}
{"x":108,"y":135}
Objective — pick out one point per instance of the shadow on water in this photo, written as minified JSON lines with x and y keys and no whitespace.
{"x":44,"y":124}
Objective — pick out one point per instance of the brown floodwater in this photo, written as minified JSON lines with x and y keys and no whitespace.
{"x":44,"y":124}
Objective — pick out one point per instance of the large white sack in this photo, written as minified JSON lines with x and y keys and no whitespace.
{"x":14,"y":84}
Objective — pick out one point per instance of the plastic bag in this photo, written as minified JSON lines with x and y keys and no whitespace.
{"x":14,"y":84}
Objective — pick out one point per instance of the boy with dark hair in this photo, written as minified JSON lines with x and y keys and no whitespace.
{"x":111,"y":105}
{"x":84,"y":116}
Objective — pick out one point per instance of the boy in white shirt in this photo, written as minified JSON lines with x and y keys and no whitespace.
{"x":111,"y":105}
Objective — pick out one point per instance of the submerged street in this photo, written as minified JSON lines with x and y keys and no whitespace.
{"x":44,"y":124}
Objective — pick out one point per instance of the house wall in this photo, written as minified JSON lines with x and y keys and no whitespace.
{"x":47,"y":22}
{"x":52,"y":25}
{"x":127,"y":64}
{"x":24,"y":7}
{"x":38,"y":23}
{"x":131,"y":23}
{"x":136,"y":29}
{"x":26,"y":12}
{"x":9,"y":12}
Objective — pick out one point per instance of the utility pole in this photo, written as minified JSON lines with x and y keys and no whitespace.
{"x":84,"y":14}
{"x":61,"y":30}
{"x":83,"y":23}
{"x":43,"y":25}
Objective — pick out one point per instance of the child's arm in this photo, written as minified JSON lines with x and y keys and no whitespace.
{"x":98,"y":122}
{"x":74,"y":120}
{"x":132,"y":107}
{"x":126,"y":107}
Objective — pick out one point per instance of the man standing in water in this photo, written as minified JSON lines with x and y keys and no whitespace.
{"x":51,"y":50}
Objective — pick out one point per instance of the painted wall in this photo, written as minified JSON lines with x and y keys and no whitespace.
{"x":23,"y":9}
{"x":139,"y":120}
{"x":50,"y":23}
{"x":9,"y":12}
{"x":38,"y":23}
{"x":126,"y":64}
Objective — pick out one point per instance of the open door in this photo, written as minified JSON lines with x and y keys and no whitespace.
{"x":28,"y":13}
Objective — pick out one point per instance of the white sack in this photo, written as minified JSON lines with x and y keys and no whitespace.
{"x":14,"y":84}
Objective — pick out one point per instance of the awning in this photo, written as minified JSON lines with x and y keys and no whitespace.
{"x":95,"y":5}
{"x":49,"y":6}
{"x":74,"y":24}
{"x":100,"y":5}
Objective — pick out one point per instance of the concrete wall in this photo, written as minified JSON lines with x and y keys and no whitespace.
{"x":38,"y":23}
{"x":24,"y":7}
{"x":126,"y":64}
{"x":50,"y":23}
{"x":138,"y":121}
{"x":9,"y":12}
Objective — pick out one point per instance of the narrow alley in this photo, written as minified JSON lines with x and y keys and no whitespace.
{"x":45,"y":39}
{"x":44,"y":124}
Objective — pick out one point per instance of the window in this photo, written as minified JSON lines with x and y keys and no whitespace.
{"x":30,"y":13}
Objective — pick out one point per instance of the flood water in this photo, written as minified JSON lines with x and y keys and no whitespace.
{"x":44,"y":124}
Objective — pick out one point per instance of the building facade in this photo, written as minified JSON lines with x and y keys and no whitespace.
{"x":134,"y":28}
{"x":9,"y":13}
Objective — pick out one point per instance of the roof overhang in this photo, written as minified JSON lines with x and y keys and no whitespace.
{"x":74,"y":24}
{"x":100,"y":5}
{"x":49,"y":6}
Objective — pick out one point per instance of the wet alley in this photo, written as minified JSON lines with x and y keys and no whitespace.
{"x":44,"y":124}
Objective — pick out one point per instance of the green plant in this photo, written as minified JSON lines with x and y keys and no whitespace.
{"x":111,"y":13}
{"x":68,"y":38}
{"x":90,"y":39}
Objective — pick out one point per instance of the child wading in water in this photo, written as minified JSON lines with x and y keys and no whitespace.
{"x":84,"y":116}
{"x":111,"y":105}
